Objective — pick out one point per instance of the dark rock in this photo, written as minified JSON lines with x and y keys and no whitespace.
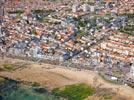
{"x":1,"y":98}
{"x":40,"y":90}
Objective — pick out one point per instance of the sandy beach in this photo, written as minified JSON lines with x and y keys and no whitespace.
{"x":52,"y":76}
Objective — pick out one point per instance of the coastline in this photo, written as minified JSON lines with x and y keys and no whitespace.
{"x":52,"y":76}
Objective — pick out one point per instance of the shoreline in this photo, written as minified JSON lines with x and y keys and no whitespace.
{"x":52,"y":76}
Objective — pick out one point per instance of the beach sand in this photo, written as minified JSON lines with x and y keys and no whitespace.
{"x":52,"y":76}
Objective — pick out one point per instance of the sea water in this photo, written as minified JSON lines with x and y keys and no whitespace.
{"x":12,"y":90}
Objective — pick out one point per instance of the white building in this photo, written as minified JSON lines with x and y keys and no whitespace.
{"x":85,"y":7}
{"x":132,"y":70}
{"x":74,"y":8}
{"x":92,"y":8}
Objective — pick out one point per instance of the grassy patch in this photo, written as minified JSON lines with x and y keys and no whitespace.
{"x":35,"y":84}
{"x":42,"y":11}
{"x":131,"y":85}
{"x":117,"y":73}
{"x":16,"y":12}
{"x":1,"y":79}
{"x":107,"y":96}
{"x":129,"y":15}
{"x":108,"y":80}
{"x":8,"y":67}
{"x":128,"y":30}
{"x":74,"y":92}
{"x":129,"y":26}
{"x":80,"y":34}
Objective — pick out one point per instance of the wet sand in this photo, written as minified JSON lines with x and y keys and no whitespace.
{"x":52,"y":76}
